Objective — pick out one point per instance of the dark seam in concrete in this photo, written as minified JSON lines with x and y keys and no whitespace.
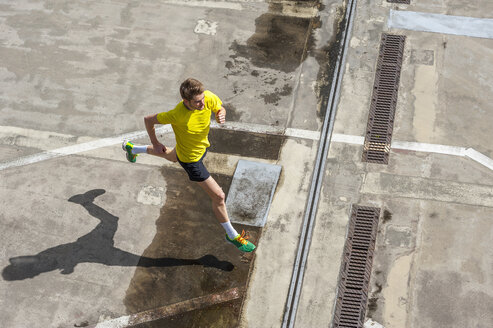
{"x":186,"y":306}
{"x":182,"y":307}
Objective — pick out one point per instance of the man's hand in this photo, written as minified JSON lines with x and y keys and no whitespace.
{"x":221,"y":115}
{"x":159,"y":148}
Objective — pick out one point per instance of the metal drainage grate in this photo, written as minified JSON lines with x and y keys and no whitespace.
{"x":384,"y":99}
{"x":400,"y":1}
{"x":352,"y":295}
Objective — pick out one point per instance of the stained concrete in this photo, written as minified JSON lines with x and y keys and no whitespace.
{"x":431,"y":262}
{"x":78,"y":71}
{"x":137,"y":237}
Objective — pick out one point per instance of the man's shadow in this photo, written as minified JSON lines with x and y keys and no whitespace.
{"x":95,"y":247}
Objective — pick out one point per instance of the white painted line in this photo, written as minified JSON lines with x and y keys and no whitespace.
{"x":344,"y":138}
{"x":423,"y":147}
{"x":249,"y":127}
{"x":235,"y":126}
{"x":429,"y":148}
{"x":268,"y":129}
{"x":437,"y":23}
{"x":206,"y":4}
{"x":70,"y":150}
{"x":303,"y":134}
{"x":480,"y":158}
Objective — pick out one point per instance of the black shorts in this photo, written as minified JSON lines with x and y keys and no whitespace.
{"x":196,"y":170}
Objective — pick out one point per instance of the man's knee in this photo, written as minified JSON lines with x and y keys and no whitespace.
{"x":219,"y":197}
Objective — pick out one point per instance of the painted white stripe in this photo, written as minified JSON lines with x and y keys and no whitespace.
{"x":429,"y":148}
{"x":438,"y":23}
{"x":344,"y":138}
{"x":247,"y":127}
{"x":70,"y":150}
{"x":303,"y":134}
{"x":480,"y":158}
{"x":206,"y":4}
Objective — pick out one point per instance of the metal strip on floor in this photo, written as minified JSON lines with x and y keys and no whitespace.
{"x":352,"y":295}
{"x":384,"y":99}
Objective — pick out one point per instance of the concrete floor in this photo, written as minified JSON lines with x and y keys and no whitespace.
{"x":87,"y":237}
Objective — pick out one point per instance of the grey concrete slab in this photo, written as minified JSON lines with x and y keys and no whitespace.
{"x":432,"y":110}
{"x":77,"y":72}
{"x":443,"y":24}
{"x":478,"y":9}
{"x":249,"y":198}
{"x":431,"y":262}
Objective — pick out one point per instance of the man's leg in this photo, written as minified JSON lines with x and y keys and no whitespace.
{"x":170,"y":154}
{"x":218,"y":197}
{"x":132,"y":151}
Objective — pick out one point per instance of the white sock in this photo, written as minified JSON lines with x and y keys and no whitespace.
{"x":230,"y":231}
{"x":139,"y":150}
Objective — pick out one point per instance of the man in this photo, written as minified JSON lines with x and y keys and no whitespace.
{"x":190,"y":120}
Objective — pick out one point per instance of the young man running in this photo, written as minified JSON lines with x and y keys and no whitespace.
{"x":190,"y":120}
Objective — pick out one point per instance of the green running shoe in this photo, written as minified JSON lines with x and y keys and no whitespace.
{"x":127,"y":146}
{"x":242,"y":243}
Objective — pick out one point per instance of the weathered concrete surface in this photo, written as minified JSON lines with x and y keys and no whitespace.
{"x":249,"y":198}
{"x":78,"y":71}
{"x":432,"y":265}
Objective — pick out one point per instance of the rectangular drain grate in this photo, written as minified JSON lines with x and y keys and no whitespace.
{"x":384,"y":99}
{"x":352,"y":295}
{"x":400,"y":1}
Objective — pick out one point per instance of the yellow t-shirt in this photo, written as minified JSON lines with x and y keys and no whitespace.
{"x":191,"y":127}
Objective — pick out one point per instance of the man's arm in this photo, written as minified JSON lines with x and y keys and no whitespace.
{"x":150,"y":121}
{"x":221,"y":115}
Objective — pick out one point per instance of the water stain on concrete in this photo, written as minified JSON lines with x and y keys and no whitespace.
{"x":232,"y":114}
{"x":326,"y":57}
{"x":282,"y":43}
{"x":221,"y":315}
{"x":387,"y":216}
{"x":187,"y":228}
{"x":274,"y":97}
{"x":373,"y":301}
{"x":246,"y":144}
{"x":279,"y":42}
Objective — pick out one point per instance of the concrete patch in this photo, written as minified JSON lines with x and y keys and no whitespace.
{"x":150,"y":195}
{"x":205,"y":27}
{"x":251,"y":192}
{"x":425,"y":86}
{"x":422,"y":57}
{"x":372,"y":324}
{"x":395,"y":293}
{"x":398,"y":236}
